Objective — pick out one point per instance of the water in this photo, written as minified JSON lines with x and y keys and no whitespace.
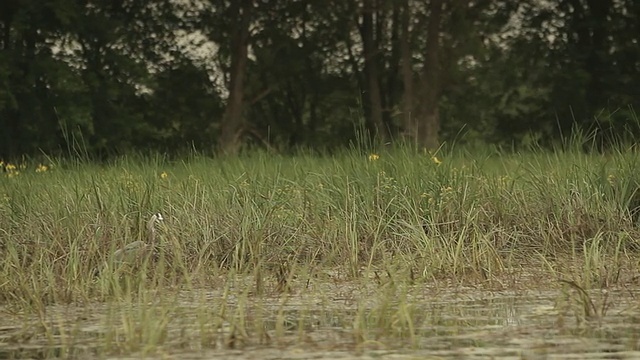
{"x":338,"y":322}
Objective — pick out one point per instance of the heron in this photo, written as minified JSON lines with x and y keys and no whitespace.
{"x":137,"y":250}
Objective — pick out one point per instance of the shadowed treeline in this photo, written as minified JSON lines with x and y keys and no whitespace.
{"x":107,"y":77}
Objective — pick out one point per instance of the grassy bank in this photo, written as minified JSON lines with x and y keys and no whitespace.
{"x":264,"y":226}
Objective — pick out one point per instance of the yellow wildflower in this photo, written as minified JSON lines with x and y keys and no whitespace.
{"x":436,"y":160}
{"x":42,"y":168}
{"x":611,"y":179}
{"x":446,"y":189}
{"x":164,"y":175}
{"x":374,"y":157}
{"x":10,"y":167}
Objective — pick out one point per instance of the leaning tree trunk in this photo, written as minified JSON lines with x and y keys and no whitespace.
{"x":427,"y":114}
{"x":229,"y":141}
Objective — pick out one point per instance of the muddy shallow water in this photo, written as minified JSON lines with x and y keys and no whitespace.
{"x":337,"y":322}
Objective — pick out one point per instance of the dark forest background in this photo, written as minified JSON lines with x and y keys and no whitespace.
{"x":114,"y":76}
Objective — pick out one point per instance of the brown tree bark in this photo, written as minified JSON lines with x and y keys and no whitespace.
{"x":370,"y":49}
{"x":427,"y":112}
{"x":229,"y":140}
{"x":408,"y":123}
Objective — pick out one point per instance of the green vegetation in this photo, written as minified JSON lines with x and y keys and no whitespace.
{"x":266,"y":250}
{"x":117,"y":77}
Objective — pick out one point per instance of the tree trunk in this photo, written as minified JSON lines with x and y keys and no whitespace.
{"x":410,"y":128}
{"x":390,"y":95}
{"x":371,"y":70}
{"x":229,"y":141}
{"x":597,"y":93}
{"x":427,"y":113}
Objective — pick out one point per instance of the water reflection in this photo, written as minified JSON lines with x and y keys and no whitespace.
{"x":457,"y":324}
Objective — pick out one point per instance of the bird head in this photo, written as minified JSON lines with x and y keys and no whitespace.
{"x":157,"y":217}
{"x":151,"y":225}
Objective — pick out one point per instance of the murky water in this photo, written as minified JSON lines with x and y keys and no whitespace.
{"x":340,"y":321}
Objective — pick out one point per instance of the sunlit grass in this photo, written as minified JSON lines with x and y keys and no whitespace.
{"x":245,"y":237}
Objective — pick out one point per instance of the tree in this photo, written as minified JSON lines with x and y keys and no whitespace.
{"x":427,"y":115}
{"x":567,"y":64}
{"x":371,"y":61}
{"x":407,"y":72}
{"x":129,"y":75}
{"x":35,"y":85}
{"x":241,"y":15}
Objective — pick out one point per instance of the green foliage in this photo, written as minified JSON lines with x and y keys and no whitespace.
{"x":111,"y":77}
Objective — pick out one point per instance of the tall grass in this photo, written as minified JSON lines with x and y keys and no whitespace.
{"x":264,"y":224}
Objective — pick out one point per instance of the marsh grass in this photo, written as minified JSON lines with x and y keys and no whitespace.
{"x":254,"y":233}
